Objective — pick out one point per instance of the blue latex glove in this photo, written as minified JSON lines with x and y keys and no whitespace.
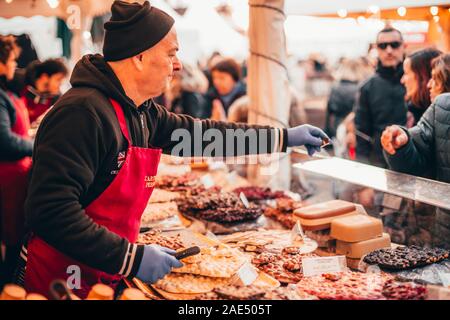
{"x":156,"y":262}
{"x":308,"y":136}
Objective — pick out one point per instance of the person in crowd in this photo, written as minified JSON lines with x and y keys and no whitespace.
{"x":28,"y":52}
{"x":187,"y":92}
{"x":15,"y":150}
{"x":97,"y":153}
{"x":42,"y":85}
{"x":214,"y":58}
{"x":343,"y":94}
{"x":427,"y":144}
{"x":238,"y":111}
{"x":417,"y":74}
{"x":381,"y":98}
{"x":227,"y":88}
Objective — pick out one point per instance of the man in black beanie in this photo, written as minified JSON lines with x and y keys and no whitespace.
{"x":97,"y":151}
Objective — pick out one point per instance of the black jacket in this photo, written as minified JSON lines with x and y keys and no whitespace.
{"x":429,"y":146}
{"x":12,"y":146}
{"x":193,"y":104}
{"x":381,"y":103}
{"x":416,"y":111}
{"x":340,"y":104}
{"x":76,"y":158}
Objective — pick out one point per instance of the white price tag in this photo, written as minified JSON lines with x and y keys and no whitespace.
{"x":293,"y":195}
{"x":321,"y":265}
{"x":218,"y":165}
{"x":445,"y":278}
{"x":207,"y":181}
{"x":244,"y":200}
{"x":211,"y":235}
{"x":296,"y":232}
{"x":232,"y":177}
{"x":247,"y":274}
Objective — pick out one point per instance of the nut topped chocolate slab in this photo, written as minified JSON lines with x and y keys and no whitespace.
{"x":405,"y":257}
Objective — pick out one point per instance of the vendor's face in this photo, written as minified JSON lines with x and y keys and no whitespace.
{"x":223,"y":82}
{"x":409,"y":79}
{"x":159,"y":64}
{"x":435,"y":86}
{"x":390,"y":48}
{"x":9,"y":67}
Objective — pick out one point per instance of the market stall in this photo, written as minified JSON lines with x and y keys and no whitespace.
{"x":249,"y":242}
{"x":240,"y":239}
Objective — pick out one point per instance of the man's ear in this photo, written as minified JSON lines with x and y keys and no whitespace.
{"x":138,"y":62}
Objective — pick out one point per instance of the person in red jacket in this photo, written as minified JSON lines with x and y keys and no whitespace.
{"x":15,"y":161}
{"x":43,"y":81}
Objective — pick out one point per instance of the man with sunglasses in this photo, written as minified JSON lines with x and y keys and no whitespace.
{"x":381,"y":100}
{"x":380,"y":103}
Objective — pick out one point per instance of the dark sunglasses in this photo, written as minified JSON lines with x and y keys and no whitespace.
{"x":393,"y":45}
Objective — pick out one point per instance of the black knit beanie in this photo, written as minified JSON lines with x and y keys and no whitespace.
{"x":134,"y":28}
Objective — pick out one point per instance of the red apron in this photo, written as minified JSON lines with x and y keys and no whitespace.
{"x":119,"y":208}
{"x":14,"y":182}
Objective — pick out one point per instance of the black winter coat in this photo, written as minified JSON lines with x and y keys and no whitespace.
{"x":429,"y":146}
{"x":340,"y":104}
{"x":380,"y":103}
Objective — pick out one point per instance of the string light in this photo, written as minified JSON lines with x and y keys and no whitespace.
{"x":401,"y":11}
{"x":8,"y":1}
{"x":374,"y":9}
{"x":434,"y":10}
{"x":53,"y":3}
{"x":342,"y":13}
{"x":361,"y":19}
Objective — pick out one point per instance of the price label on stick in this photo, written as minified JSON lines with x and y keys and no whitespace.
{"x":321,"y":265}
{"x":207,"y":181}
{"x":445,"y":278}
{"x":244,"y":200}
{"x":247,"y":274}
{"x":232,"y":177}
{"x":211,"y":235}
{"x":297,"y":232}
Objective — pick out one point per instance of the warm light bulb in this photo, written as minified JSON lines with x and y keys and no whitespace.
{"x":342,"y":13}
{"x":434,"y":10}
{"x":53,"y":3}
{"x":401,"y":11}
{"x":374,"y":9}
{"x":361,"y":19}
{"x":8,"y":1}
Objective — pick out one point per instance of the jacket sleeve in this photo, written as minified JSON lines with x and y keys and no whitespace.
{"x":183,"y":135}
{"x":12,"y":146}
{"x":331,"y":107}
{"x":69,"y":150}
{"x":363,"y":124}
{"x":415,"y":157}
